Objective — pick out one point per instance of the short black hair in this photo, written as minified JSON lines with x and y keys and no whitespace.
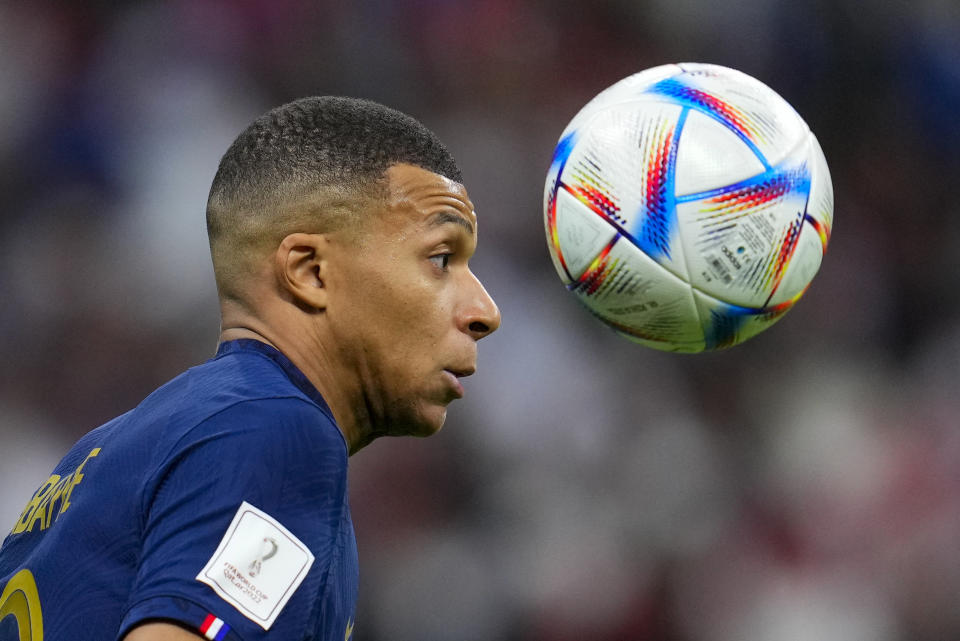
{"x":328,"y":139}
{"x":331,"y":148}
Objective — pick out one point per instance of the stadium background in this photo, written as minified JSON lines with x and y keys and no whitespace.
{"x":803,"y":486}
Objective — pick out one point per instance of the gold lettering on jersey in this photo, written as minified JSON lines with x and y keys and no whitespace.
{"x":30,"y":513}
{"x":51,"y":500}
{"x":77,"y":477}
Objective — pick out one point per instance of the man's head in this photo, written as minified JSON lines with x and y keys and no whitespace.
{"x":340,"y":232}
{"x":313,"y":165}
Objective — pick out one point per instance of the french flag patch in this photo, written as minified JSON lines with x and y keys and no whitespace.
{"x":214,"y":629}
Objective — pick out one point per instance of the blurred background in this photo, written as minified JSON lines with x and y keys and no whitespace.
{"x":802,"y":486}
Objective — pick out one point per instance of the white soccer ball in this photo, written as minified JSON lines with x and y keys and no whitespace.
{"x":688,"y":207}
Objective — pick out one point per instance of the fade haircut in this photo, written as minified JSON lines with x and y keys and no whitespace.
{"x":312,"y":165}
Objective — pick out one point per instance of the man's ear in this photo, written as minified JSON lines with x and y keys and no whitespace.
{"x":300,"y":262}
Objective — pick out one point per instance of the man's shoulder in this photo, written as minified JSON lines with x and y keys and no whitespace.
{"x":244,"y":375}
{"x":242,"y":397}
{"x":247,"y":376}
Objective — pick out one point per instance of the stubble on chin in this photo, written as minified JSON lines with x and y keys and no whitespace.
{"x":412,"y":418}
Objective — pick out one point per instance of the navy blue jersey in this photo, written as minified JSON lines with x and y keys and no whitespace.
{"x":220,"y":502}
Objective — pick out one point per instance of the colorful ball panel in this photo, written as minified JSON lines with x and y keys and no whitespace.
{"x":632,"y":293}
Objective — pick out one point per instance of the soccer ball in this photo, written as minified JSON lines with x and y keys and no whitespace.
{"x":688,"y":207}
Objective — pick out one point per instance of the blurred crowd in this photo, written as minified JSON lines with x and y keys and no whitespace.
{"x":804,"y":486}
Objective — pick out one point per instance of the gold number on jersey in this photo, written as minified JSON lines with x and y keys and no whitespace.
{"x":21,"y":600}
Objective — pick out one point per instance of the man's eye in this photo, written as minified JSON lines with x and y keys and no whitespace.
{"x":441,"y":261}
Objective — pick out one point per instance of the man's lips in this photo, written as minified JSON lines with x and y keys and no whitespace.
{"x":453,"y":377}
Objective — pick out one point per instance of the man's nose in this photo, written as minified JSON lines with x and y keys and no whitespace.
{"x":482,"y":315}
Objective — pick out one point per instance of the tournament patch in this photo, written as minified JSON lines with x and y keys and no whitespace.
{"x":258,"y":565}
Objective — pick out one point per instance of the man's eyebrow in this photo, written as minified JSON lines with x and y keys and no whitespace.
{"x":444,"y":217}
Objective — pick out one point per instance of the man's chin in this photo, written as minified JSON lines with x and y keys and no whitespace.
{"x":421,"y":420}
{"x":431,"y":423}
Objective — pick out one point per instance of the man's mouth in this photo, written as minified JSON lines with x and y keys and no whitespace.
{"x":453,"y":378}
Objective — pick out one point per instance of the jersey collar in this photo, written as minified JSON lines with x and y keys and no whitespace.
{"x":297,"y":377}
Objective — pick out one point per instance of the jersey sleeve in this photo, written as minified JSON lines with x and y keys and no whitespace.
{"x":240,"y":524}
